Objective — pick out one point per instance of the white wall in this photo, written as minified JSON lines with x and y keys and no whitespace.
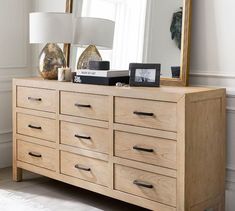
{"x":213,"y":64}
{"x":15,"y":61}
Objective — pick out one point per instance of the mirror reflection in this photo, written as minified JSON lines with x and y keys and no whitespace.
{"x":147,"y":31}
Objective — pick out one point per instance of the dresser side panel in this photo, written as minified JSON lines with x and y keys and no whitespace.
{"x":205,"y":149}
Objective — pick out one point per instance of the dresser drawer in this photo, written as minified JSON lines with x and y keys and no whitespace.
{"x":146,"y":113}
{"x":37,"y":155}
{"x":84,"y":105}
{"x":38,"y":127}
{"x":85,"y":168}
{"x":37,"y":99}
{"x":145,"y":184}
{"x":146,"y":149}
{"x":85,"y":137}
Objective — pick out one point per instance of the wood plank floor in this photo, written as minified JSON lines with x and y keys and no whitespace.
{"x":50,"y":195}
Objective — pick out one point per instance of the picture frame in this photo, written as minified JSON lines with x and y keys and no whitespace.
{"x":145,"y":75}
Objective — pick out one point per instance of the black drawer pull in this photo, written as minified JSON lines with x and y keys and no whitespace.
{"x":143,"y":149}
{"x":143,"y":113}
{"x":82,"y":105}
{"x":83,"y":137}
{"x":35,"y":127}
{"x":33,"y":154}
{"x":35,"y":99}
{"x":82,"y":168}
{"x":142,"y":184}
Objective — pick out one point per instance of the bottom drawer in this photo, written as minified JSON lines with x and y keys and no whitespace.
{"x":36,"y":154}
{"x":85,"y":168}
{"x":145,"y":184}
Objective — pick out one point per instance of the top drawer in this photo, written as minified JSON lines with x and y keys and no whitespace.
{"x":37,"y":99}
{"x":146,"y":113}
{"x":84,"y":105}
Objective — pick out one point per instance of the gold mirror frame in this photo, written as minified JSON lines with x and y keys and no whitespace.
{"x":185,"y":54}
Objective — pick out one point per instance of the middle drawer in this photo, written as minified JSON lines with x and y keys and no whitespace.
{"x":84,"y":105}
{"x":147,"y":149}
{"x":84,"y":136}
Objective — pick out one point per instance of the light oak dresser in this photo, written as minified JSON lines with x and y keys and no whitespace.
{"x":158,"y":148}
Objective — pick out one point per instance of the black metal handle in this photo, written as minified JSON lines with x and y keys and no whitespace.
{"x":34,"y":99}
{"x":33,"y":154}
{"x":143,"y":113}
{"x":142,"y":149}
{"x":82,"y":168}
{"x":142,"y":184}
{"x":82,"y":105}
{"x":83,"y":137}
{"x":35,"y":127}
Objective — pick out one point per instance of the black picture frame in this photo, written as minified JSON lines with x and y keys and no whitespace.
{"x":152,"y":79}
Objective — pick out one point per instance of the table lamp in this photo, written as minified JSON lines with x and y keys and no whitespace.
{"x":51,"y":28}
{"x":94,"y":33}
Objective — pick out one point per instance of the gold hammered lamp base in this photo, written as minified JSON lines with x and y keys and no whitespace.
{"x":51,"y":58}
{"x":91,"y":53}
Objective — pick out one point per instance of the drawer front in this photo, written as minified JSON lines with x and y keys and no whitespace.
{"x":152,"y":150}
{"x":146,"y":113}
{"x":145,"y":184}
{"x":37,"y":155}
{"x":37,"y":99}
{"x":85,"y":137}
{"x":84,"y":105}
{"x":85,"y":168}
{"x":38,"y":127}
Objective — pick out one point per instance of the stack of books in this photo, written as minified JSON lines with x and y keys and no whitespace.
{"x":101,"y":77}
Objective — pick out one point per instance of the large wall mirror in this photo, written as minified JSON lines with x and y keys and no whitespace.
{"x":146,"y":31}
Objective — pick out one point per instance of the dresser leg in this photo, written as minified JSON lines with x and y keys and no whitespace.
{"x":17,"y":174}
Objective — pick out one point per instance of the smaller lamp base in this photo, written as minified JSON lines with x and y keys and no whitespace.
{"x":91,"y":53}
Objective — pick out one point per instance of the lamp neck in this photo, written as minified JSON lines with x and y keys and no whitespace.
{"x":92,"y":47}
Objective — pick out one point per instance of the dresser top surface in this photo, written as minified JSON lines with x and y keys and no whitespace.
{"x":165,"y":92}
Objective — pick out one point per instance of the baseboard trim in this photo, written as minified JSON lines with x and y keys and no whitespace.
{"x":226,"y":80}
{"x":5,"y":137}
{"x":230,"y":186}
{"x":5,"y":131}
{"x":20,"y":73}
{"x":211,"y":74}
{"x":230,"y":178}
{"x":5,"y":154}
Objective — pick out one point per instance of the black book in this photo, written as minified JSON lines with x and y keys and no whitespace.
{"x":100,"y":80}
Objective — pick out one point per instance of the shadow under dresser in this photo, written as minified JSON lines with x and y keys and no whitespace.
{"x":158,"y":148}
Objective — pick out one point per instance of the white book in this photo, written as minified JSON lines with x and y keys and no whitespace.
{"x":103,"y":73}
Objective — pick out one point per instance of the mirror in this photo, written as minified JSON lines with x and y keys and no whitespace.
{"x":146,"y":31}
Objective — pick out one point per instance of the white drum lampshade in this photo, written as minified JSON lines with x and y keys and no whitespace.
{"x":93,"y":32}
{"x":51,"y":28}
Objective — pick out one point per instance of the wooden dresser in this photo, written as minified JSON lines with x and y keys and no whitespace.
{"x":159,"y":148}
